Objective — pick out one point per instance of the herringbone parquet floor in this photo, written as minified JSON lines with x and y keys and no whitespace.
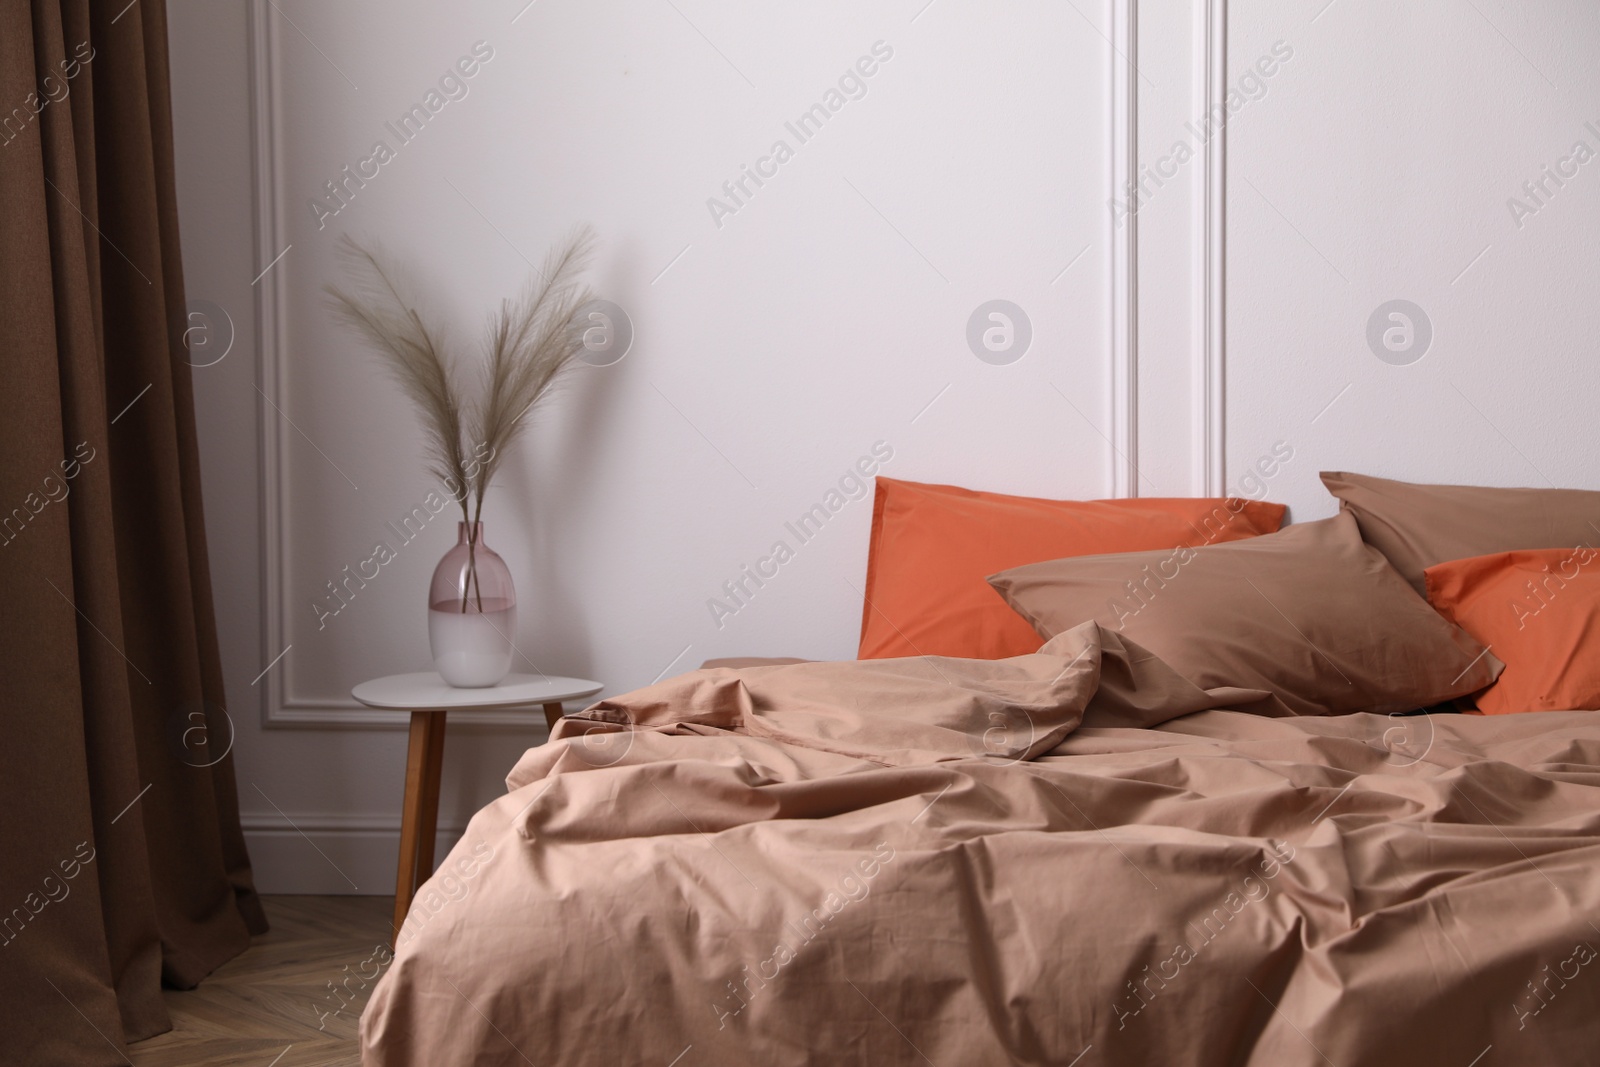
{"x":295,"y":994}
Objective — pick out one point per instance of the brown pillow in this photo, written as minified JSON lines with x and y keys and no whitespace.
{"x":1309,"y":614}
{"x":1417,"y":526}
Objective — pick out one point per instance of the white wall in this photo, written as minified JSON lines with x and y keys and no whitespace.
{"x":1379,"y":167}
{"x":772,"y":351}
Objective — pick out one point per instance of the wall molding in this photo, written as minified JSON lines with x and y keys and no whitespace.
{"x":1208,"y":380}
{"x":333,"y":822}
{"x":269,"y":229}
{"x":331,"y":853}
{"x":279,"y":706}
{"x":1124,"y":243}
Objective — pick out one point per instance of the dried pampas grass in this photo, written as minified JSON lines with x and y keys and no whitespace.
{"x":528,"y":344}
{"x":531,"y":342}
{"x":413,"y":353}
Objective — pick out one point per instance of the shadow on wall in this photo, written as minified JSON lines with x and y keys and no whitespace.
{"x":588,"y":397}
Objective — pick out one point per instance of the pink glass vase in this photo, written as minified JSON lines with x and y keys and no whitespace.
{"x":472,"y":612}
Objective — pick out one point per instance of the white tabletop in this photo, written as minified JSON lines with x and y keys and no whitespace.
{"x":428,"y":692}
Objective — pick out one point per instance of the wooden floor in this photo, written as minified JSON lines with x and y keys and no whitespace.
{"x":277,"y":1000}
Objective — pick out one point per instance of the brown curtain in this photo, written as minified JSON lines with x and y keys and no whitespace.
{"x":122,"y":865}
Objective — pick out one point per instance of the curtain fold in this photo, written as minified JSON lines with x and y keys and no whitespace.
{"x":123,"y":863}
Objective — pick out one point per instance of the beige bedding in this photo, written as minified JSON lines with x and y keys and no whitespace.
{"x":962,"y":862}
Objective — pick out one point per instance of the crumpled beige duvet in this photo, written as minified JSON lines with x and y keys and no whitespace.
{"x":1072,"y":857}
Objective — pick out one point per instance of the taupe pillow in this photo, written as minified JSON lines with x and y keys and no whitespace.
{"x":1416,"y":526}
{"x":1309,"y":614}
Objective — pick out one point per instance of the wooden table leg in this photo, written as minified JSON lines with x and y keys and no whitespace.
{"x":420,"y":814}
{"x":552,"y":714}
{"x":428,"y":828}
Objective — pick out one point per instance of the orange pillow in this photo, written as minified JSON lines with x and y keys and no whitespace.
{"x":1539,"y":610}
{"x":934,"y":546}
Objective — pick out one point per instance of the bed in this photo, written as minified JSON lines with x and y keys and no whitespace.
{"x":1075,"y":856}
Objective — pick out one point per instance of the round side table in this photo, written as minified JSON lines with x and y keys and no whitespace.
{"x":429,"y":699}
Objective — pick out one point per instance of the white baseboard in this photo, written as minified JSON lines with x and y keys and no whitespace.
{"x":351,"y":855}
